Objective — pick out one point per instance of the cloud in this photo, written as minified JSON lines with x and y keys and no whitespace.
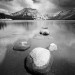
{"x":36,"y":1}
{"x":6,"y":0}
{"x":12,"y":6}
{"x":64,"y":3}
{"x":43,"y":6}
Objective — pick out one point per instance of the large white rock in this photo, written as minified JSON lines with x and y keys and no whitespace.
{"x":40,"y":56}
{"x":38,"y":61}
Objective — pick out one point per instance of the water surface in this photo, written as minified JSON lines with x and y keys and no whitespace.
{"x":62,"y":33}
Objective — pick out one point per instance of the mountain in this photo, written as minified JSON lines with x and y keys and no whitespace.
{"x":24,"y":14}
{"x":33,"y":14}
{"x":65,"y":15}
{"x":4,"y":14}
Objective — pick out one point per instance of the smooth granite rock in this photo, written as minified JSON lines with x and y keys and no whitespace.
{"x":21,"y":45}
{"x":52,"y":47}
{"x":44,"y":32}
{"x":38,"y":61}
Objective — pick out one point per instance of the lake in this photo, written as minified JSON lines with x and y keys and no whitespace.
{"x":62,"y":33}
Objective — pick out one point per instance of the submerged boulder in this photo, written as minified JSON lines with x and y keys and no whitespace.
{"x":21,"y":45}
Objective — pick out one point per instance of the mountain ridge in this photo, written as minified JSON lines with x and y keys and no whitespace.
{"x":26,"y":14}
{"x":33,"y":14}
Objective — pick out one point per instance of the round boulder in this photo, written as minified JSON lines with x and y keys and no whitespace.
{"x":38,"y":61}
{"x":52,"y":47}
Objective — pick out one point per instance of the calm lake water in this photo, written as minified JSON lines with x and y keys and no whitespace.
{"x":62,"y":33}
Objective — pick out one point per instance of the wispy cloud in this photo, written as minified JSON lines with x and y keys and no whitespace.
{"x":44,"y":6}
{"x":64,"y":3}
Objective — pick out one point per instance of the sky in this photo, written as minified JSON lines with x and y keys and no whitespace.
{"x":43,"y":6}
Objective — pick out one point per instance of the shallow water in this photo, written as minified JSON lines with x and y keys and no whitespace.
{"x":62,"y":33}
